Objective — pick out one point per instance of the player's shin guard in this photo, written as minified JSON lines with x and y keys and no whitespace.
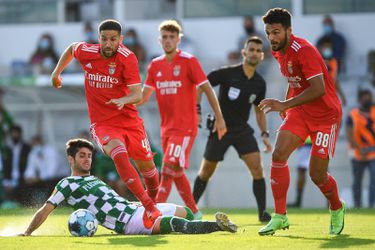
{"x":170,"y":224}
{"x":199,"y":187}
{"x":330,"y":191}
{"x":151,"y":180}
{"x":280,"y":183}
{"x":130,"y":176}
{"x":165,"y":187}
{"x":183,"y":188}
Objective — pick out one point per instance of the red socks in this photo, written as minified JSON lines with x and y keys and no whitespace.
{"x":183,"y":187}
{"x":330,"y":191}
{"x":130,"y":176}
{"x":280,"y":179}
{"x":165,"y":187}
{"x":151,"y":180}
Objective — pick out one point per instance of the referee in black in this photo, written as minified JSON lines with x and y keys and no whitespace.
{"x":240,"y":87}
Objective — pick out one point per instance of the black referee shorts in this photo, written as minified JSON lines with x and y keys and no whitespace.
{"x":242,"y":140}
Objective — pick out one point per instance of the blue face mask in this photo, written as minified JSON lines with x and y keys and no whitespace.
{"x":327,"y":29}
{"x":89,"y":36}
{"x":129,"y":41}
{"x":44,"y":44}
{"x":327,"y":53}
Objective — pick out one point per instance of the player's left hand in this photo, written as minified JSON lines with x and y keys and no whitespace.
{"x":118,"y":102}
{"x":269,"y":105}
{"x":267,"y":143}
{"x":220,"y":127}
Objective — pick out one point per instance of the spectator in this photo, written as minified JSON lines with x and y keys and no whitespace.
{"x":90,"y":35}
{"x":42,"y":171}
{"x":44,"y":59}
{"x":326,"y":50}
{"x":6,"y":120}
{"x":132,"y":42}
{"x":15,"y":164}
{"x":360,"y":132}
{"x":250,"y":30}
{"x":338,"y":41}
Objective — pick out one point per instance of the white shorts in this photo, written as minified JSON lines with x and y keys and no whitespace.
{"x":303,"y":154}
{"x":135,"y":224}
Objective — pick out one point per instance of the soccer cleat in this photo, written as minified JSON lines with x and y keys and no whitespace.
{"x":264,"y":217}
{"x":337,"y":220}
{"x":198,"y":215}
{"x":277,"y":222}
{"x":149,"y":217}
{"x":224,"y":223}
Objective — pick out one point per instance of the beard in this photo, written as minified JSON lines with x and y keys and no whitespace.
{"x":282,"y":44}
{"x":108,"y":53}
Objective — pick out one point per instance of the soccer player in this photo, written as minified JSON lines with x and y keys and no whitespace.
{"x":82,"y":190}
{"x":175,"y":77}
{"x":311,"y":108}
{"x":240,"y":87}
{"x":113,"y":85}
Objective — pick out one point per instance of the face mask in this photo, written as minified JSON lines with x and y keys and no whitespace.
{"x":89,"y":36}
{"x":366,"y":105}
{"x":327,"y":29}
{"x":129,"y":41}
{"x":327,"y":53}
{"x":44,"y":44}
{"x":249,"y":30}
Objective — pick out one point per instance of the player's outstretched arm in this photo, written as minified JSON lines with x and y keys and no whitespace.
{"x":133,"y":97}
{"x":39,"y":217}
{"x":65,"y":58}
{"x":316,"y":90}
{"x":220,"y":126}
{"x":146,"y":94}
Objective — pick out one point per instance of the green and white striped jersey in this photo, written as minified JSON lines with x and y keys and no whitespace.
{"x":88,"y":192}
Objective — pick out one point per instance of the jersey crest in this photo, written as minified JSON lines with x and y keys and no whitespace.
{"x":252,"y":98}
{"x":176,"y":70}
{"x":111,"y":68}
{"x":233,"y":93}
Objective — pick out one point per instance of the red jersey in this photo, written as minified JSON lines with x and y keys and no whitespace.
{"x":175,"y":85}
{"x":301,"y":62}
{"x":107,"y":79}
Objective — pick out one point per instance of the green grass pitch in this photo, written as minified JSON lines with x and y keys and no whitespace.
{"x":308,"y":230}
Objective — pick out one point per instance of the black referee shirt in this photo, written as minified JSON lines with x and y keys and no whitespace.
{"x":237,"y":93}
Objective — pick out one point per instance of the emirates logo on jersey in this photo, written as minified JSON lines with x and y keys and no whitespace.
{"x":111,"y":68}
{"x":290,"y":67}
{"x":176,"y":70}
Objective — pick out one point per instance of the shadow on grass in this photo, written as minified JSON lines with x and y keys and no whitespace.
{"x":339,"y":241}
{"x":131,"y":241}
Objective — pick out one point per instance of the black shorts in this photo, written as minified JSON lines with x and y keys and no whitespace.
{"x":242,"y":140}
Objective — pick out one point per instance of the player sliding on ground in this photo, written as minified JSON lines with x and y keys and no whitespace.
{"x":82,"y":190}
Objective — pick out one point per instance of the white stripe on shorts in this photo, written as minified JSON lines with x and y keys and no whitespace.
{"x":185,"y":144}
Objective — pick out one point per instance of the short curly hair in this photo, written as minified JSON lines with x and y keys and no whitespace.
{"x":278,"y":15}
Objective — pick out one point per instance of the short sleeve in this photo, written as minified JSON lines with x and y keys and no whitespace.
{"x":262,"y":94}
{"x":197,"y":75}
{"x":77,"y":49}
{"x":310,"y":62}
{"x":216,"y":77}
{"x":62,"y":191}
{"x":150,"y":81}
{"x":131,"y":71}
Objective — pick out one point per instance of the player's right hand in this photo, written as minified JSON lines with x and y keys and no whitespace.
{"x":56,"y":80}
{"x":220,"y":127}
{"x":282,"y":114}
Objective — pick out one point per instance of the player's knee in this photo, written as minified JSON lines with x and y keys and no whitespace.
{"x":317,"y":178}
{"x":278,"y":155}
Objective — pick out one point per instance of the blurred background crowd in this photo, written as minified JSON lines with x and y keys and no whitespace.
{"x":36,"y":120}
